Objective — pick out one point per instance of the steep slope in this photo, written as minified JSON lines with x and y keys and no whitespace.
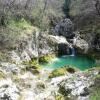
{"x":86,"y":17}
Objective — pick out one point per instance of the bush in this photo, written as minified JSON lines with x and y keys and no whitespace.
{"x":46,"y":58}
{"x":20,"y":24}
{"x":33,"y":66}
{"x":14,"y":33}
{"x":62,"y":71}
{"x":58,"y":72}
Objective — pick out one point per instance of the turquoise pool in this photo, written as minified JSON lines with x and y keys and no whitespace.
{"x":80,"y":62}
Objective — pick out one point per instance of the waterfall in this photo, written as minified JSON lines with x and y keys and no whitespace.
{"x":72,"y":51}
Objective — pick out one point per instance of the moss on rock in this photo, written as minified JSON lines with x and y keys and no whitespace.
{"x":41,"y":85}
{"x":59,"y":97}
{"x":46,"y":58}
{"x":58,"y":72}
{"x":2,"y":75}
{"x":62,"y":71}
{"x":33,"y":66}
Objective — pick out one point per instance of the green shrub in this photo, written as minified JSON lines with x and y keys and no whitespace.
{"x":46,"y":58}
{"x":62,"y":71}
{"x":20,"y":24}
{"x":58,"y":72}
{"x":15,"y":32}
{"x":33,"y":66}
{"x":34,"y":63}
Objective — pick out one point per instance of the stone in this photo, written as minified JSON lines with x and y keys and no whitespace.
{"x":81,"y":45}
{"x":14,"y":57}
{"x":85,"y":92}
{"x":64,"y":28}
{"x":10,"y":68}
{"x":8,"y":90}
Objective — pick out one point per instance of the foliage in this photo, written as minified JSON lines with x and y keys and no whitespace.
{"x":2,"y":75}
{"x":14,"y":33}
{"x":44,"y":11}
{"x":62,"y":71}
{"x":39,"y":13}
{"x":95,"y":91}
{"x":46,"y":58}
{"x":33,"y":66}
{"x":34,"y":63}
{"x":58,"y":72}
{"x":59,"y":97}
{"x":19,"y":24}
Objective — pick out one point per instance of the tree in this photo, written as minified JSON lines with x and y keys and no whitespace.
{"x":66,"y":7}
{"x":97,"y":6}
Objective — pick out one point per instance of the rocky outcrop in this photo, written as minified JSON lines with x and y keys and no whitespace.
{"x":81,"y":45}
{"x":64,"y":28}
{"x":86,"y":18}
{"x":77,"y":88}
{"x":8,"y":90}
{"x":31,"y":45}
{"x":20,"y":83}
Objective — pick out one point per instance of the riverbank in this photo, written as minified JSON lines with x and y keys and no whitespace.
{"x":20,"y":84}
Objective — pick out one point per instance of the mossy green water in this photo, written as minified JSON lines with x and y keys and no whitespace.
{"x":80,"y":62}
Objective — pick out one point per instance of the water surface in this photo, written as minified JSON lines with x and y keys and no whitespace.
{"x":80,"y":62}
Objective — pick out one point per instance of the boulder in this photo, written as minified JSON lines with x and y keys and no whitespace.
{"x":10,"y":68}
{"x":8,"y":90}
{"x":81,"y":45}
{"x":64,"y":28}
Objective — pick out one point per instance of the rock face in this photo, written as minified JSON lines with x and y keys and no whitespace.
{"x":79,"y":87}
{"x":63,"y":49}
{"x":26,"y":85}
{"x":64,"y":28}
{"x":81,"y":45}
{"x":8,"y":90}
{"x":86,"y":17}
{"x":31,"y":46}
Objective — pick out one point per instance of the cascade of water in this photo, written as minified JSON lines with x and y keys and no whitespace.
{"x":72,"y":51}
